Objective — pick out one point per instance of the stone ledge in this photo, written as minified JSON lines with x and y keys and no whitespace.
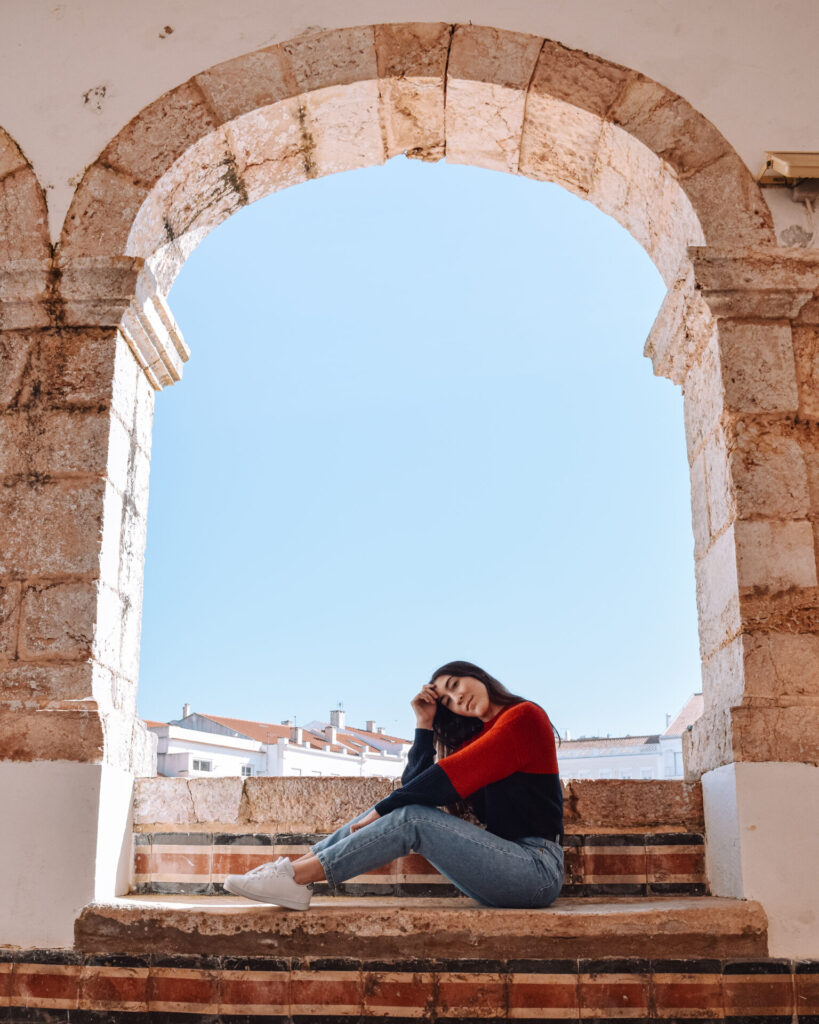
{"x":291,"y":804}
{"x":394,"y":927}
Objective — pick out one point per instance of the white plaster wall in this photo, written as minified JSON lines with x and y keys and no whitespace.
{"x":389,"y":767}
{"x":308,"y":762}
{"x":73,"y":74}
{"x":762,"y":827}
{"x":73,"y":850}
{"x":225,"y":761}
{"x":115,"y":858}
{"x":609,"y":765}
{"x":178,"y":747}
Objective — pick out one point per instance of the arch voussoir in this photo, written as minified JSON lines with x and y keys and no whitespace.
{"x":667,"y":124}
{"x":247,"y":83}
{"x":487,"y":77}
{"x":23,"y":216}
{"x":271,"y":147}
{"x":102,"y":213}
{"x":412,"y":64}
{"x":152,"y":141}
{"x":202,"y":187}
{"x":729,"y":204}
{"x":567,"y":99}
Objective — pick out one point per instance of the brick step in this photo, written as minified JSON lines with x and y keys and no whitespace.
{"x":383,"y":928}
{"x":624,"y":864}
{"x":66,"y":985}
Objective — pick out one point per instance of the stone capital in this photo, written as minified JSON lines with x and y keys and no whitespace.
{"x":725,"y":735}
{"x":96,"y":291}
{"x":715,"y":284}
{"x":755,"y":283}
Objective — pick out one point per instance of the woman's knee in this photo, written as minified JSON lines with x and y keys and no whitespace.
{"x":411,"y":813}
{"x":419,"y":811}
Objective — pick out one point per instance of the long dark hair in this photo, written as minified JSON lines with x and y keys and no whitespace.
{"x":449,"y":730}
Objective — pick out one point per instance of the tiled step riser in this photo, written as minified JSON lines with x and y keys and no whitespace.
{"x":625,"y":865}
{"x":63,"y":985}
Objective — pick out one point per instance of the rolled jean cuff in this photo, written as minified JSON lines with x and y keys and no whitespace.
{"x":324,"y":861}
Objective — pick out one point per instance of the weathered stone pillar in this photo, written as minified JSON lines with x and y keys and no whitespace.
{"x":741,"y":334}
{"x":76,"y":411}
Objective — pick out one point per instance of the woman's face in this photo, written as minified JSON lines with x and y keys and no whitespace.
{"x":465,"y":695}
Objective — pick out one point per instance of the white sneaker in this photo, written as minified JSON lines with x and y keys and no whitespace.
{"x":271,"y":883}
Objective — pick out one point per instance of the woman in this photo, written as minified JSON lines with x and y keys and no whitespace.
{"x":496,"y":752}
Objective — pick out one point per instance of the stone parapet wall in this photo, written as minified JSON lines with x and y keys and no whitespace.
{"x":321,"y":805}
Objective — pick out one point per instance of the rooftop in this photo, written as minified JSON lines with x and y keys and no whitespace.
{"x":348,"y":738}
{"x":687,"y":716}
{"x":594,"y":742}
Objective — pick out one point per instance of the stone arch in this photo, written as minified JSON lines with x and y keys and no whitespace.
{"x":356,"y":97}
{"x":23,"y":215}
{"x":85,"y":342}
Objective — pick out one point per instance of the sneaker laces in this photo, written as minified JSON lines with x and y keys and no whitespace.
{"x":268,"y":868}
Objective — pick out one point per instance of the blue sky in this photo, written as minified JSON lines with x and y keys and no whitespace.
{"x":416,"y":426}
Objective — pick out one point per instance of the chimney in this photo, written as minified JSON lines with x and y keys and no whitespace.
{"x":380,"y":730}
{"x":331,"y":733}
{"x":186,"y":710}
{"x":337,"y":718}
{"x":287,"y":721}
{"x":370,"y":725}
{"x":296,"y":733}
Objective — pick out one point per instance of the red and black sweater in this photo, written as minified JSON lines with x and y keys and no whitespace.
{"x":509,"y":769}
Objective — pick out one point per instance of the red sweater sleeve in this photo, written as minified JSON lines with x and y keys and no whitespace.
{"x":521,"y":740}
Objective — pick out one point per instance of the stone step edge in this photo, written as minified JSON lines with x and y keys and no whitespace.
{"x":654,"y":926}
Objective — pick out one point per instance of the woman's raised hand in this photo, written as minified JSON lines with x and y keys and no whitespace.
{"x":424,"y":705}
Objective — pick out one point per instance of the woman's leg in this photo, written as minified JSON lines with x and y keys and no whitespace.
{"x":493,"y":871}
{"x":340,"y":833}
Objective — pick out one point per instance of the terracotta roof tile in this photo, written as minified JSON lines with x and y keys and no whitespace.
{"x":350,"y":739}
{"x":262,"y":732}
{"x":377,"y":735}
{"x":687,"y":716}
{"x":606,"y":741}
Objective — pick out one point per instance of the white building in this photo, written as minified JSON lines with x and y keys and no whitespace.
{"x":657,"y":756}
{"x":198,"y":746}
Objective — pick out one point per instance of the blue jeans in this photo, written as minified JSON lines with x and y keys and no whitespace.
{"x":496,"y":872}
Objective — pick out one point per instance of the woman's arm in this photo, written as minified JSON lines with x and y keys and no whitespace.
{"x":421,"y":755}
